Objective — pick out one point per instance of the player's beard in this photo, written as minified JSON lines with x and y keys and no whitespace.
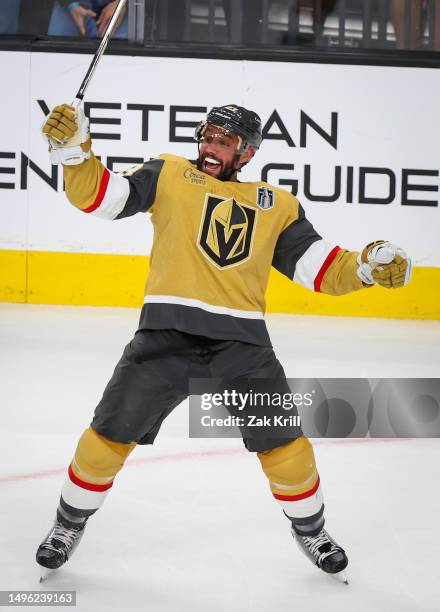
{"x":227,"y":171}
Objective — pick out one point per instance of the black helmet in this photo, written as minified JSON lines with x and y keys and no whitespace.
{"x":236,"y":119}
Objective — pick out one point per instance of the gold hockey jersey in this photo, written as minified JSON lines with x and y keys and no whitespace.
{"x":214,"y":244}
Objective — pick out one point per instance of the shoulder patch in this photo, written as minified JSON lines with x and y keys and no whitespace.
{"x":265,"y":198}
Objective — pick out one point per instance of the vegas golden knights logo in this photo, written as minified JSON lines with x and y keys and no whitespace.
{"x":227,"y":231}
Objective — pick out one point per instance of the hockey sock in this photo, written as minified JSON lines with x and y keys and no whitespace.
{"x":95,"y":464}
{"x":295,"y":484}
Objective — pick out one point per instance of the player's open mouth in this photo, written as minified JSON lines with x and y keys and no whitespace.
{"x":210,"y":163}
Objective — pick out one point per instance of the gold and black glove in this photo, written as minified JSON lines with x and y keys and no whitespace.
{"x":67,"y":131}
{"x":383,"y":263}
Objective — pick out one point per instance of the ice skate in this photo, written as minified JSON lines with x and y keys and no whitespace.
{"x":325,"y":553}
{"x":59,"y":545}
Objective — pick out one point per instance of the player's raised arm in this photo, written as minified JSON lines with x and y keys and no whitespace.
{"x":90,"y":186}
{"x":302,"y":255}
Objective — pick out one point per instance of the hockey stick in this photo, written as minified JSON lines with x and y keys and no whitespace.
{"x":99,"y":53}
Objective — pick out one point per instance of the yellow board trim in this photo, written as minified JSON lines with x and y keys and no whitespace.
{"x":118,"y":280}
{"x":419,"y":300}
{"x":13,"y":276}
{"x":86,"y":279}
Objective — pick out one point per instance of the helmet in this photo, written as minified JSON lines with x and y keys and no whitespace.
{"x":236,"y":119}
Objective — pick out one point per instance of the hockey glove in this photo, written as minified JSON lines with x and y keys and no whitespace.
{"x":67,"y":132}
{"x":383,"y":263}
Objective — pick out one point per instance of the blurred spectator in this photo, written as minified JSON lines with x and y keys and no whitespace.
{"x":34,"y":17}
{"x":321,"y":9}
{"x":25,"y":16}
{"x":9,"y":16}
{"x":253,"y":19}
{"x":419,"y":16}
{"x":87,"y":18}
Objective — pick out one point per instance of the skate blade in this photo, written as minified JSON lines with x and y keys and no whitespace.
{"x":45,"y":572}
{"x":340,"y":577}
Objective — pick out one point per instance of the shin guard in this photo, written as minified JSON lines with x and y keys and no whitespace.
{"x":295,"y":484}
{"x":96,"y":462}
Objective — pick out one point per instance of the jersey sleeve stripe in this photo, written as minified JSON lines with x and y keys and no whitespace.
{"x":115,"y":198}
{"x":325,"y":266}
{"x":101,"y":192}
{"x":142,"y":188}
{"x":293,"y":243}
{"x":310,"y":264}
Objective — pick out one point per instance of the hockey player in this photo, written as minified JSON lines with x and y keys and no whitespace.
{"x":215,"y":240}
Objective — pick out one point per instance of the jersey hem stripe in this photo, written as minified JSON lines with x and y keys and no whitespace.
{"x":180,"y":301}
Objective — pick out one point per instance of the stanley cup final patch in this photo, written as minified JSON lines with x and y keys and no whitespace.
{"x":226,"y":232}
{"x":265,"y":198}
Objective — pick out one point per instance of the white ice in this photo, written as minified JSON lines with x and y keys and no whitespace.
{"x":190,"y":525}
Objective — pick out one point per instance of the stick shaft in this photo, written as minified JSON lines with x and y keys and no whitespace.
{"x":99,"y":53}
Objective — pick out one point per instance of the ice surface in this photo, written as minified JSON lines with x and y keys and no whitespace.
{"x":190,"y":525}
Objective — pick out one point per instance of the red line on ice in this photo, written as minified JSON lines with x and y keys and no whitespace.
{"x":193,"y":455}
